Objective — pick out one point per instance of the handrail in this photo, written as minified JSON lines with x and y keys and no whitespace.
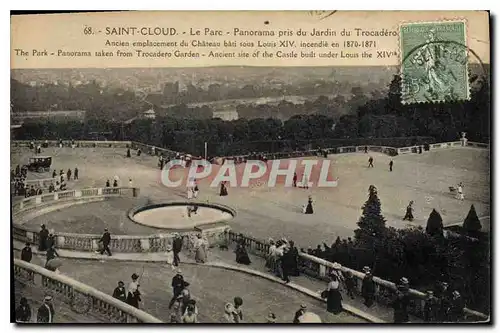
{"x":354,"y":148}
{"x":103,"y":303}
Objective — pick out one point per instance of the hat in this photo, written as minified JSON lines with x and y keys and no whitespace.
{"x":456,"y":293}
{"x":43,"y":225}
{"x":444,"y":283}
{"x":238,"y":301}
{"x":105,"y":229}
{"x":179,"y":271}
{"x":303,"y":306}
{"x":430,"y":293}
{"x":366,"y":269}
{"x":121,"y":282}
{"x":336,"y":265}
{"x":28,"y":244}
{"x":271,"y":318}
{"x":48,"y":298}
{"x":404,"y":281}
{"x":135,"y":276}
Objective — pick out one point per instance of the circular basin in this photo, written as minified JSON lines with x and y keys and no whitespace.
{"x":181,"y":215}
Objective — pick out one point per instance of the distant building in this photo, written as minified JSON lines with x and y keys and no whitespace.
{"x":60,"y":116}
{"x":149,"y":114}
{"x":227,"y":115}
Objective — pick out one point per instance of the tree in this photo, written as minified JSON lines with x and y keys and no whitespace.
{"x":471,"y":223}
{"x":434,"y":224}
{"x":371,"y":223}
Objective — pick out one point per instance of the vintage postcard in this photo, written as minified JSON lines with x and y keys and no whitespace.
{"x":251,"y":167}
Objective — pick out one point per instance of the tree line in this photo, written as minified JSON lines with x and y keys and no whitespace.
{"x":381,"y":117}
{"x":425,"y":256}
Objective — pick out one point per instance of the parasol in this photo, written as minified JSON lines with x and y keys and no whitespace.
{"x":309,"y":317}
{"x":53,"y":264}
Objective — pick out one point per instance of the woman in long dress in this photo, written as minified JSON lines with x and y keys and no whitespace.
{"x":242,"y":254}
{"x":200,"y":250}
{"x":309,"y":208}
{"x":333,"y":296}
{"x":134,"y":295}
{"x":223,"y":189}
{"x":196,"y":190}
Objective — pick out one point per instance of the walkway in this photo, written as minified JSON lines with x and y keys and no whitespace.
{"x":63,"y":312}
{"x":211,"y":286}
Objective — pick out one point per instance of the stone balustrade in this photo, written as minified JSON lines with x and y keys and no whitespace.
{"x":43,"y":183}
{"x":320,"y":269}
{"x":477,"y":145}
{"x":79,"y":297}
{"x":78,"y":143}
{"x":148,"y":149}
{"x":391,"y":151}
{"x":119,"y":243}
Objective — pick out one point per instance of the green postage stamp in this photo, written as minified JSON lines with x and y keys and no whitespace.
{"x":434,"y":62}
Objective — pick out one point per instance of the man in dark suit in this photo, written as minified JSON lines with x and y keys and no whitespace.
{"x":51,"y":241}
{"x":177,"y":286}
{"x":26,"y":253}
{"x":42,"y":238}
{"x":120,"y":292}
{"x":177,"y":248}
{"x":105,"y":240}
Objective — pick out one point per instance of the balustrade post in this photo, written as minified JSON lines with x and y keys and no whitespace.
{"x":359,"y":285}
{"x":422,"y":305}
{"x":95,"y":244}
{"x":38,"y":200}
{"x":145,"y":244}
{"x":322,"y":270}
{"x":21,"y":205}
{"x":78,"y":193}
{"x":56,"y":196}
{"x":60,"y":241}
{"x":99,"y":191}
{"x":38,"y":279}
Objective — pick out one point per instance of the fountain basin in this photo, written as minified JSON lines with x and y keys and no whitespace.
{"x":181,"y":216}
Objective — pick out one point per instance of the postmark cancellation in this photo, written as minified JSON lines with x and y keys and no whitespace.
{"x":434,"y":62}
